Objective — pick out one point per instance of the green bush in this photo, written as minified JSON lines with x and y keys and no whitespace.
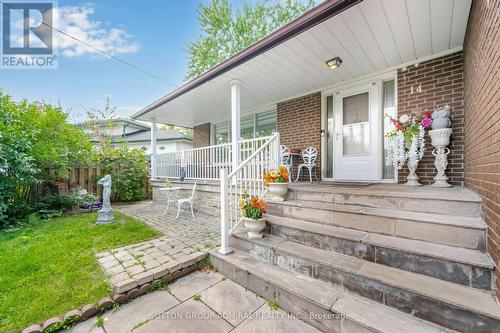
{"x":129,"y":169}
{"x":37,"y":144}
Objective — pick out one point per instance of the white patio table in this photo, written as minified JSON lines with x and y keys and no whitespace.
{"x":170,"y":196}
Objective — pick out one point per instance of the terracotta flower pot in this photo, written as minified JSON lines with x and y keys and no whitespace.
{"x":277,"y":191}
{"x":255,"y":227}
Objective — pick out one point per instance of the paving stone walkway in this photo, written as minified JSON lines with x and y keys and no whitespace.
{"x":201,"y":232}
{"x":183,"y":240}
{"x":199,"y":302}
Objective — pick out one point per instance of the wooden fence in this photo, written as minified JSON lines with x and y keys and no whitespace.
{"x":87,"y":178}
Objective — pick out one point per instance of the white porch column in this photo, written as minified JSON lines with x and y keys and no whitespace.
{"x":154,"y":130}
{"x":235,"y":121}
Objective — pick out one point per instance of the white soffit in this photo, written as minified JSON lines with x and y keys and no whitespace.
{"x":369,"y":37}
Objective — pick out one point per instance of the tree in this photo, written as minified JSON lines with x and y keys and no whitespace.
{"x":129,"y":168}
{"x":58,"y":145}
{"x":226,"y":32}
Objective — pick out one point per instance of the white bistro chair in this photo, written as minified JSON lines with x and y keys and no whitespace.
{"x":188,"y":200}
{"x":170,"y":197}
{"x":285,"y":160}
{"x":309,"y":156}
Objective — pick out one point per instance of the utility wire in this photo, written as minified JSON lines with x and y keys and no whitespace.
{"x":92,"y":47}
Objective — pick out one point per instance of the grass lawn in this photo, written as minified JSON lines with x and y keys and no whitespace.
{"x":50,"y":268}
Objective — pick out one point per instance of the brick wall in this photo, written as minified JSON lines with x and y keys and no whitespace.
{"x":482,"y":116}
{"x":299,"y":124}
{"x":201,"y":135}
{"x":441,"y":81}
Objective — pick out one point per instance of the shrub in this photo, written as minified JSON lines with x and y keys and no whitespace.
{"x":37,"y":143}
{"x":129,"y":170}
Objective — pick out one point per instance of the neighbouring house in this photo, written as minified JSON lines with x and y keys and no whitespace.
{"x":137,"y":134}
{"x":390,"y":257}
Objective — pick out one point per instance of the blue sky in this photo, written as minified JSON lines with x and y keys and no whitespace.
{"x":151,"y":34}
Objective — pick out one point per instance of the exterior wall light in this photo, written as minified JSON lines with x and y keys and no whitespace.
{"x":334,"y":63}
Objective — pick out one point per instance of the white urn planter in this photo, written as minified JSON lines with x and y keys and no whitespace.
{"x":255,"y":227}
{"x":277,"y":191}
{"x":415,"y":154}
{"x":440,"y":140}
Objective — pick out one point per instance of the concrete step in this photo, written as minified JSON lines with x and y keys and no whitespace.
{"x":458,"y":265}
{"x":460,"y":231}
{"x":316,"y":302}
{"x":446,"y":304}
{"x":450,"y":201}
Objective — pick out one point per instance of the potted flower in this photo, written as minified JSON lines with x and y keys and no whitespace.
{"x":253,"y":210}
{"x":407,"y":142}
{"x":276,"y":181}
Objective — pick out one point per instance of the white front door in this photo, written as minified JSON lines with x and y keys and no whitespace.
{"x":357,"y":146}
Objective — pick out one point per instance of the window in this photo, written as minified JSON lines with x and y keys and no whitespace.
{"x":254,"y":126}
{"x":222,"y":133}
{"x":390,"y":110}
{"x":329,"y":137}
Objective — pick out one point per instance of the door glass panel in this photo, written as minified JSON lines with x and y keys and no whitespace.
{"x":329,"y":137}
{"x":390,"y":110}
{"x":356,"y":128}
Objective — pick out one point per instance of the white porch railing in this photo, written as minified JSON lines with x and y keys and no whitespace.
{"x":202,"y":163}
{"x":248,"y":176}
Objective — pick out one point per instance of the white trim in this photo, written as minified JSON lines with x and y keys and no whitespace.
{"x":235,"y":120}
{"x":371,"y":162}
{"x":323,"y":133}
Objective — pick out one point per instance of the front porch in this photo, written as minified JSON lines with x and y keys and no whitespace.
{"x":358,"y":241}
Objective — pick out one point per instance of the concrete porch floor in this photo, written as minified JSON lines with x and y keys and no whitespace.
{"x":388,"y":189}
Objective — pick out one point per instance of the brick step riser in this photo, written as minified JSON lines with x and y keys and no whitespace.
{"x":425,"y":308}
{"x":469,"y":238}
{"x":456,"y":272}
{"x":447,"y":207}
{"x":310,"y":313}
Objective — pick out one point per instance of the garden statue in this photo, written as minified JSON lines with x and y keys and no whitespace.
{"x":106,"y":212}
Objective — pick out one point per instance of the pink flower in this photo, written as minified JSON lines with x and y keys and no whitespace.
{"x":426,"y":122}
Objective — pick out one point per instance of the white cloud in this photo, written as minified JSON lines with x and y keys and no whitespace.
{"x":77,"y":21}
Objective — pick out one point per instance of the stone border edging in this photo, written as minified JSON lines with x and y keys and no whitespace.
{"x":129,"y":290}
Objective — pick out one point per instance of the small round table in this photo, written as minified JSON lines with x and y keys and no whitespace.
{"x":170,"y":196}
{"x":292,"y":155}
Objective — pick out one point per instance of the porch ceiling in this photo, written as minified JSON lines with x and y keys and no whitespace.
{"x":371,"y":36}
